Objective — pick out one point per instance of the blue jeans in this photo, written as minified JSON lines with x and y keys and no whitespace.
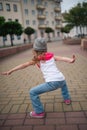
{"x":46,"y":87}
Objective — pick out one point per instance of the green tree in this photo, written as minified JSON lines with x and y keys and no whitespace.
{"x":29,"y":31}
{"x":49,"y":30}
{"x":84,"y":6}
{"x":2,"y":20}
{"x":77,"y":16}
{"x":2,"y":32}
{"x":66,"y":29}
{"x":12,"y":28}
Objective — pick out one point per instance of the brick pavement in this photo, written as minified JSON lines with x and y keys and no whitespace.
{"x":15,"y":103}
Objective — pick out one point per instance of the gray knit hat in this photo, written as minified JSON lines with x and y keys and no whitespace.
{"x":40,"y":44}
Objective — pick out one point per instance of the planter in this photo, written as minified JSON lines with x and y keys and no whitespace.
{"x":71,"y":41}
{"x":13,"y":50}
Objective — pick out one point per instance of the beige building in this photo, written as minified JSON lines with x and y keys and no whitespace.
{"x":38,"y":14}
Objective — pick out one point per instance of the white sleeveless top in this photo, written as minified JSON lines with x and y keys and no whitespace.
{"x":50,"y":70}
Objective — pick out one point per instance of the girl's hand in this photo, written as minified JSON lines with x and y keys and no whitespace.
{"x":6,"y":73}
{"x":73,"y":59}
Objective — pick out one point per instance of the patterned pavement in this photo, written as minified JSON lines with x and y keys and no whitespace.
{"x":15,"y":103}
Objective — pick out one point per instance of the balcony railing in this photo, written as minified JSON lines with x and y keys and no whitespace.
{"x":40,"y":6}
{"x":42,"y":26}
{"x":41,"y":16}
{"x":57,"y":9}
{"x":58,"y":26}
{"x":58,"y":18}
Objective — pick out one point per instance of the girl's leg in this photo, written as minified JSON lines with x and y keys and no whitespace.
{"x":36,"y":91}
{"x":34,"y":95}
{"x":65,"y":92}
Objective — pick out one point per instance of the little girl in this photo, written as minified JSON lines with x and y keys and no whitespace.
{"x":54,"y":79}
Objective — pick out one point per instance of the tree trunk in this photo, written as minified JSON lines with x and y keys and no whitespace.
{"x":3,"y":43}
{"x":49,"y":37}
{"x":11,"y":40}
{"x":86,"y":30}
{"x":77,"y":30}
{"x":29,"y":38}
{"x":81,"y":31}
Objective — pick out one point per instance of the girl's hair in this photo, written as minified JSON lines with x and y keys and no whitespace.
{"x":39,"y":56}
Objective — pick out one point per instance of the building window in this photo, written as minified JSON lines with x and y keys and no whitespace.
{"x":58,"y":22}
{"x":9,"y":19}
{"x":32,"y":2}
{"x":27,"y":22}
{"x":16,"y":20}
{"x":33,"y":12}
{"x":46,"y":4}
{"x":40,"y":12}
{"x":18,"y":37}
{"x":5,"y":38}
{"x":8,"y":7}
{"x":52,"y":22}
{"x":34,"y":22}
{"x":15,"y":8}
{"x":1,"y":7}
{"x":46,"y":13}
{"x":12,"y":37}
{"x":39,"y":1}
{"x":51,"y":13}
{"x":47,"y":22}
{"x":25,"y":1}
{"x":26,"y":11}
{"x":41,"y":22}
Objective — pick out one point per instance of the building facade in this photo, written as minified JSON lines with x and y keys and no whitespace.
{"x":37,"y":14}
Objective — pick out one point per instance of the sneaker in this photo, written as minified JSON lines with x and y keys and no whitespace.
{"x":35,"y":115}
{"x":67,"y":102}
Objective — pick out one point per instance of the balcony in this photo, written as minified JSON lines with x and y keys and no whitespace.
{"x":42,"y":26}
{"x":58,"y":18}
{"x":58,"y":26}
{"x":57,"y":9}
{"x":40,"y":6}
{"x":41,"y":16}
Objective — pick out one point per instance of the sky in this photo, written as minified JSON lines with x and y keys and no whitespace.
{"x":68,"y":4}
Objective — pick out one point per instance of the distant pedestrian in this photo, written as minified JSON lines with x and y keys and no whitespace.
{"x":54,"y":79}
{"x":24,"y":40}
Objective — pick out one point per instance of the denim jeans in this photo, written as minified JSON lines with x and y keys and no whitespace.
{"x":46,"y":87}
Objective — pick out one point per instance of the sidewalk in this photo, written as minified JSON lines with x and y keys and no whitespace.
{"x":15,"y":103}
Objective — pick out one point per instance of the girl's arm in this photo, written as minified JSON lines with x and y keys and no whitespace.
{"x":65,"y":59}
{"x":19,"y":67}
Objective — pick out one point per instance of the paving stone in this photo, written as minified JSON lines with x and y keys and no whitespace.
{"x":55,"y":114}
{"x":67,"y":127}
{"x":76,"y":120}
{"x":75,"y":114}
{"x":58,"y":107}
{"x":49,"y":107}
{"x":22,"y":128}
{"x":34,"y":122}
{"x":67,"y":107}
{"x":14,"y":109}
{"x":76,"y":106}
{"x":55,"y":121}
{"x":83,"y":127}
{"x":5,"y":128}
{"x":84,"y":105}
{"x":7,"y":109}
{"x":16,"y":116}
{"x":44,"y":127}
{"x":23,"y":108}
{"x":14,"y":122}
